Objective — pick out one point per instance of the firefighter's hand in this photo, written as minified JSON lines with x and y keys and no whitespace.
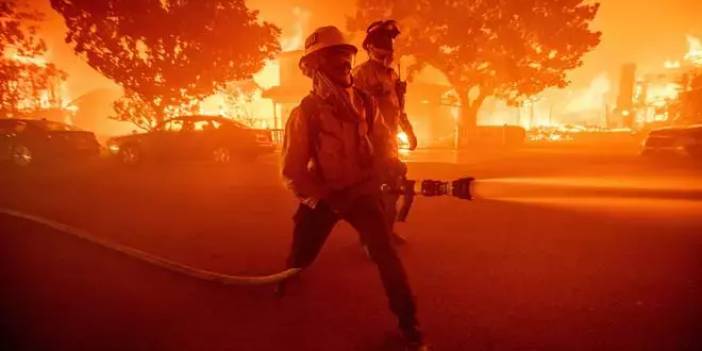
{"x":407,"y":128}
{"x":412,"y":140}
{"x":393,"y":168}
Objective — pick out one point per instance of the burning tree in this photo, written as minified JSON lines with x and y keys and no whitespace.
{"x":239,"y":93}
{"x":486,"y":48}
{"x":167,"y":54}
{"x":27,"y":81}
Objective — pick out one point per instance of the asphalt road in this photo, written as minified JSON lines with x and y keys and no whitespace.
{"x":524,"y":269}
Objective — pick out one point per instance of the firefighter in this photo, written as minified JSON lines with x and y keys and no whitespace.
{"x":377,"y":78}
{"x":332,"y":142}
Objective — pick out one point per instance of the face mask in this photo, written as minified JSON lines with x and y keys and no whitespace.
{"x":385,"y":57}
{"x":337,"y":66}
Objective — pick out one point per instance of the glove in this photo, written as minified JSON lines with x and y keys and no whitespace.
{"x":407,"y":128}
{"x":412,"y":140}
{"x":391,"y":167}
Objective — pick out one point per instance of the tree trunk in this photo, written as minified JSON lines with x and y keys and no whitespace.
{"x":468,"y":120}
{"x":159,"y":110}
{"x":159,"y":117}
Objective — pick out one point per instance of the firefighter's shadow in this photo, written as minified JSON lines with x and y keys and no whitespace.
{"x":476,"y":339}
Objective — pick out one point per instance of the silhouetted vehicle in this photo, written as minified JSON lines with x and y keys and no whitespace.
{"x":682,"y":140}
{"x":25,"y":142}
{"x":208,"y":138}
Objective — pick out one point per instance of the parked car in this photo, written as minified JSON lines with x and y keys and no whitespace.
{"x":25,"y":142}
{"x":682,"y":140}
{"x":212,"y":138}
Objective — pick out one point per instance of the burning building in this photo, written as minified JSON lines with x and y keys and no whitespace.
{"x":33,"y":87}
{"x":670,"y":96}
{"x":291,"y":88}
{"x":430,"y":110}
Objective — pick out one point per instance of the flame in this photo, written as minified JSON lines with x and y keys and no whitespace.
{"x":296,"y":40}
{"x":256,"y":112}
{"x":44,"y":99}
{"x":260,"y":112}
{"x":591,"y":98}
{"x":694,"y":53}
{"x":455,"y":113}
{"x":660,"y":94}
{"x":269,"y":76}
{"x":671,"y":64}
{"x":32,"y":60}
{"x":65,"y":99}
{"x":403,"y":140}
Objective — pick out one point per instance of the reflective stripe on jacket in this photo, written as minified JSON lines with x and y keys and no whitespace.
{"x":380,"y":82}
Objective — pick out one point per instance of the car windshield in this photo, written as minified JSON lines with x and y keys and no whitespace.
{"x":11,"y":126}
{"x":196,"y":124}
{"x":174,"y":125}
{"x":230,"y":122}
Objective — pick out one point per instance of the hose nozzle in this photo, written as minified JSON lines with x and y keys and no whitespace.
{"x":459,"y":188}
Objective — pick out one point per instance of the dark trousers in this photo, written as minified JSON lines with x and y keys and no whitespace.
{"x":395,"y":177}
{"x":313,"y":226}
{"x":390,"y":207}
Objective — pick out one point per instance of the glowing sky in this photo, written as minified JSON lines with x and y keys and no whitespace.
{"x":645,"y":32}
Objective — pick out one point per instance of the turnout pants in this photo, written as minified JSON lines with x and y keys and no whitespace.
{"x":367,"y":216}
{"x":390,"y":208}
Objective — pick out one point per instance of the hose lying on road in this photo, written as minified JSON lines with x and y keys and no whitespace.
{"x":155,"y":260}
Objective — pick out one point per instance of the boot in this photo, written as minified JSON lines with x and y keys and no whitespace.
{"x":281,"y":287}
{"x":414,"y":338}
{"x":279,"y":290}
{"x":417,"y":346}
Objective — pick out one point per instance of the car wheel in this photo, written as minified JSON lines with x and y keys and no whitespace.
{"x":22,"y":156}
{"x":130,"y":155}
{"x":222,"y":155}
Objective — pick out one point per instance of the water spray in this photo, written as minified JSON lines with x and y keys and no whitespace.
{"x":582,"y":187}
{"x":534,"y":189}
{"x":468,"y":188}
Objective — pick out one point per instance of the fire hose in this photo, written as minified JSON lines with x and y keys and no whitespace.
{"x":157,"y":261}
{"x":460,"y":188}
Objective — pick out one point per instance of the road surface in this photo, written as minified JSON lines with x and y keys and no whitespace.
{"x":528,"y":271}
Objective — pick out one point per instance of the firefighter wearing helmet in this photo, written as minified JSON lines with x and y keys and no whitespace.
{"x":334,"y":141}
{"x":377,"y":78}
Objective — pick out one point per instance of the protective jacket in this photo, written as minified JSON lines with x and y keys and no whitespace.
{"x":324,"y":152}
{"x":380,"y":82}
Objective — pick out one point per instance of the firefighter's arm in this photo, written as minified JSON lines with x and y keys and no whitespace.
{"x":364,"y":80}
{"x":404,"y":123}
{"x":360,"y":79}
{"x":381,"y":136}
{"x":297,"y":154}
{"x":406,"y":127}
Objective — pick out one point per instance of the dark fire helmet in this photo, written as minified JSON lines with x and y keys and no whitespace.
{"x":380,"y":34}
